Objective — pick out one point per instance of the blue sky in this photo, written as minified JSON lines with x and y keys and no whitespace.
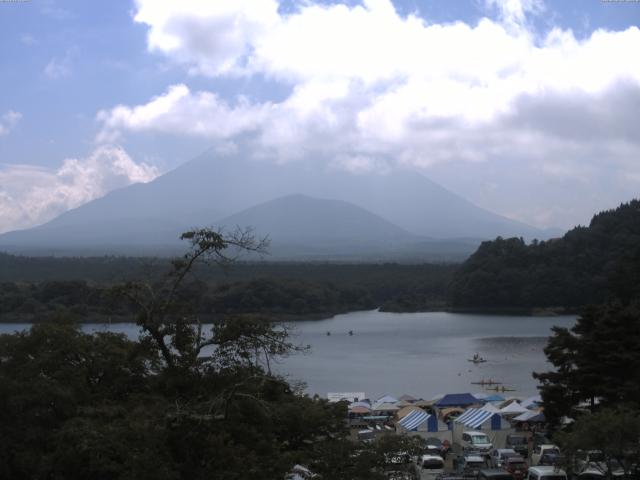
{"x":63,"y":62}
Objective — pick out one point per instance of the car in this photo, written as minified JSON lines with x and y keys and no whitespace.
{"x":429,"y":467}
{"x":499,"y":455}
{"x":593,"y":464}
{"x":475,"y":441}
{"x":519,"y":443}
{"x":436,"y":447}
{"x":470,"y":465}
{"x":551,"y":451}
{"x":516,"y":466}
{"x":546,"y":473}
{"x":494,"y":474}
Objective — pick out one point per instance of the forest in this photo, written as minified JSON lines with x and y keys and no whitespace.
{"x":588,"y":265}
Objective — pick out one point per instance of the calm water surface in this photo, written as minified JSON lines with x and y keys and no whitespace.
{"x":424,"y":354}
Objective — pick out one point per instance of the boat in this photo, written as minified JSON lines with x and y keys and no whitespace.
{"x":476,"y":359}
{"x":501,"y":389}
{"x":484,"y":382}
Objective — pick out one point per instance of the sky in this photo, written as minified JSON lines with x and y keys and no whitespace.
{"x":528,"y":108}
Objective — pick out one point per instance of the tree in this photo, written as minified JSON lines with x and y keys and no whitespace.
{"x":597,"y":362}
{"x":170,"y":324}
{"x":613,"y":432}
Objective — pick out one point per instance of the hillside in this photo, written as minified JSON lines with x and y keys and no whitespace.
{"x":145,"y":218}
{"x":587,"y":265}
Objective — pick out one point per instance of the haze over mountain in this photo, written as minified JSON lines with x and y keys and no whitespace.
{"x":361,"y":210}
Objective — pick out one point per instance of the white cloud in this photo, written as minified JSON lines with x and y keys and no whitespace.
{"x":60,"y":67}
{"x":370,"y":87}
{"x":30,"y":196}
{"x":8,"y":121}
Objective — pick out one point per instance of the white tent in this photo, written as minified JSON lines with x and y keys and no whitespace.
{"x":513,"y":408}
{"x":490,"y":408}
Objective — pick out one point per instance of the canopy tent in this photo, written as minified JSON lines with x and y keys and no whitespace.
{"x":490,"y":423}
{"x":475,"y":418}
{"x":360,"y":410}
{"x":408,"y":398}
{"x":513,"y":408}
{"x":423,"y":403}
{"x":447,"y":413}
{"x":403,"y":403}
{"x":494,"y":398}
{"x":457,"y":400}
{"x":385,"y":407}
{"x":403,"y":412}
{"x":531,"y":417}
{"x":490,"y":408}
{"x":419,"y":420}
{"x":386,"y":399}
{"x":532,"y":402}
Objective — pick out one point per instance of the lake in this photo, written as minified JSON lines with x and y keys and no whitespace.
{"x":424,"y":354}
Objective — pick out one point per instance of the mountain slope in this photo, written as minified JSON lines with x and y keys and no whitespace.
{"x":587,"y":265}
{"x":209,"y":188}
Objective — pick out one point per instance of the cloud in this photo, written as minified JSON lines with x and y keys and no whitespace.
{"x":30,"y":196}
{"x":372,"y":88}
{"x":60,"y":67}
{"x":8,"y":121}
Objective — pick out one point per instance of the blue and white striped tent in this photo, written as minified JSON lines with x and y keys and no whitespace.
{"x":477,"y":418}
{"x":419,"y":420}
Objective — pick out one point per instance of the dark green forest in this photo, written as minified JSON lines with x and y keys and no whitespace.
{"x":83,"y":288}
{"x":588,"y":265}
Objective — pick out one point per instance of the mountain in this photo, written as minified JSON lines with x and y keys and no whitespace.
{"x":210,"y":188}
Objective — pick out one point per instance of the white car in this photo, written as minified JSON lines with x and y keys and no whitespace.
{"x":546,"y":473}
{"x":429,"y":467}
{"x":476,"y":441}
{"x":542,"y":450}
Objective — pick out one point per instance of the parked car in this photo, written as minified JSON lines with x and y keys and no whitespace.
{"x":499,"y":455}
{"x":475,"y":441}
{"x":593,"y":464}
{"x":494,"y":474}
{"x":546,"y":473}
{"x":470,"y":465}
{"x":519,"y":443}
{"x":517,"y":467}
{"x":549,"y":452}
{"x":436,"y":447}
{"x":429,"y":467}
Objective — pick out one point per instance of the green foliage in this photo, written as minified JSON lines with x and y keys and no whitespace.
{"x":588,"y":265}
{"x":614,"y":432}
{"x":597,"y":362}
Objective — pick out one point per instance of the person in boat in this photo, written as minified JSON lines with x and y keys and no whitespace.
{"x":351,"y":332}
{"x":328,"y":334}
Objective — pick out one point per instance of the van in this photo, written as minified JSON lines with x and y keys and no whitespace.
{"x":546,"y":473}
{"x":476,"y":441}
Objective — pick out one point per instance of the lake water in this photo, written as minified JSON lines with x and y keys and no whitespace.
{"x":424,"y":354}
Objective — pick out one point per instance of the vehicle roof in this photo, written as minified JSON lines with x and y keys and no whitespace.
{"x":431,"y":457}
{"x":495,"y":472}
{"x":548,"y":445}
{"x":514,"y":458}
{"x":546,"y":470}
{"x":473,"y":458}
{"x":474,"y":432}
{"x":506,"y":450}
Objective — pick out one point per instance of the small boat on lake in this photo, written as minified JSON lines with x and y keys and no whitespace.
{"x":476,"y":359}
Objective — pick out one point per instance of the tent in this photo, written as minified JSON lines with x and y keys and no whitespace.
{"x":403,"y":412}
{"x":408,"y":398}
{"x":387,"y":407}
{"x":532,"y":402}
{"x":490,"y":408}
{"x":491,"y":423}
{"x":448,"y":413}
{"x":514,"y":408}
{"x":457,"y":400}
{"x":387,"y":399}
{"x":494,"y":398}
{"x":419,"y":420}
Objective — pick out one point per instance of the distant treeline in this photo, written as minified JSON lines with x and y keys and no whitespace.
{"x":83,"y":288}
{"x":589,"y":265}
